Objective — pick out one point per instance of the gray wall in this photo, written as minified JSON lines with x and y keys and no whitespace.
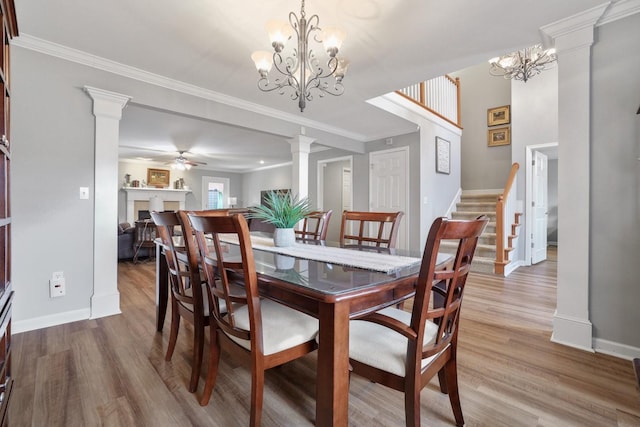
{"x":266,"y":179}
{"x":483,"y":167}
{"x":615,"y":220}
{"x":52,"y":156}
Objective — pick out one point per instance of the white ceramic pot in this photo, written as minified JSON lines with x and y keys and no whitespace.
{"x":283,"y":237}
{"x":284,"y":262}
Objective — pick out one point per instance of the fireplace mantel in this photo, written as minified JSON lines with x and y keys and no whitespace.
{"x":145,"y":194}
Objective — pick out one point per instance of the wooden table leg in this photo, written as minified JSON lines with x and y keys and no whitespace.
{"x":162,"y":288}
{"x":332,"y":396}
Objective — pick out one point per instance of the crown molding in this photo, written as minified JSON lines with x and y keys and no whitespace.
{"x":572,"y":24}
{"x":36,"y":44}
{"x":618,"y":10}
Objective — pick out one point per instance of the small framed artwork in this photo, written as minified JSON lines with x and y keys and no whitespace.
{"x":499,"y":136}
{"x":499,"y":116}
{"x":443,"y":156}
{"x":158,"y":178}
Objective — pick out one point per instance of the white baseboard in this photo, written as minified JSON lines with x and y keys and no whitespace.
{"x":453,"y":204}
{"x":615,"y":349}
{"x":512,"y":266}
{"x":572,"y":332}
{"x":105,"y":305}
{"x":18,"y":326}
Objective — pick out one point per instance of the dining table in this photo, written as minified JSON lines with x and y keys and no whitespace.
{"x":331,"y":284}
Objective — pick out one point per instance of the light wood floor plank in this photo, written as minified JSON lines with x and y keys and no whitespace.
{"x":112,"y":372}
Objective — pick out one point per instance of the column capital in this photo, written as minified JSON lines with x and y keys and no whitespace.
{"x":106,"y":103}
{"x":301,"y":144}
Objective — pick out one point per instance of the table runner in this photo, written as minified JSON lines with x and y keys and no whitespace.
{"x":375,"y":261}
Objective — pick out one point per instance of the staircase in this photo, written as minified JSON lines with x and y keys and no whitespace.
{"x":471,"y":206}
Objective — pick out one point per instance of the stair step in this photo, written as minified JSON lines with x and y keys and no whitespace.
{"x":476,"y":207}
{"x":473,"y":215}
{"x":482,"y":250}
{"x":484,"y":198}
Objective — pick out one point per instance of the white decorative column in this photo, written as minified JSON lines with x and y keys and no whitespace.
{"x":107,"y":109}
{"x":573,"y":39}
{"x":300,"y":149}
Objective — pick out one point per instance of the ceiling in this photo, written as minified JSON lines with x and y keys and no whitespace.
{"x":207,"y":43}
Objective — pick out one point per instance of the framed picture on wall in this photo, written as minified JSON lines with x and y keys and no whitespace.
{"x":499,"y":136}
{"x":158,"y":178}
{"x":443,"y":156}
{"x":499,"y":116}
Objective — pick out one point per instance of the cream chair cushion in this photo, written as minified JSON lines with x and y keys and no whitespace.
{"x":282,"y":327}
{"x":383,"y":348}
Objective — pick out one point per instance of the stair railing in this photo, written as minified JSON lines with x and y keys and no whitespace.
{"x":505,"y":214}
{"x":440,"y":96}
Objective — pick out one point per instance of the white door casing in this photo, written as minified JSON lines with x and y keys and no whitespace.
{"x":388,"y":186}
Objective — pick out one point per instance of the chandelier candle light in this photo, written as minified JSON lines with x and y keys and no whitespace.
{"x":301,"y":70}
{"x":523,"y":64}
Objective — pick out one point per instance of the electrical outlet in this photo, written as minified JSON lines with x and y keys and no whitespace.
{"x":57,"y":285}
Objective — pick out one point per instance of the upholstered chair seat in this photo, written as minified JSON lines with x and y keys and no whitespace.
{"x":382,"y":347}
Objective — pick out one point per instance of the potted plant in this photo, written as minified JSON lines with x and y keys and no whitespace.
{"x":284,"y":211}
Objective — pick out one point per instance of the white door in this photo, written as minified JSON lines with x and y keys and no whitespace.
{"x":388,"y":187}
{"x":540,"y":208}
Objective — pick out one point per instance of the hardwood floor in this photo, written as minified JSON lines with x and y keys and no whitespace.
{"x":112,"y":372}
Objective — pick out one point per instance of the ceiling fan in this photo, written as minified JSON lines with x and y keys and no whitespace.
{"x":182,"y":163}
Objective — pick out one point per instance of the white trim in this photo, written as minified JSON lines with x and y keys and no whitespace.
{"x":572,"y":332}
{"x":34,"y":323}
{"x":581,"y":21}
{"x":454,"y":203}
{"x":512,"y":266}
{"x":105,"y":305}
{"x":36,"y":44}
{"x":618,"y":10}
{"x":616,"y":349}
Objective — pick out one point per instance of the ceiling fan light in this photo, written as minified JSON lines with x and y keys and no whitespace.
{"x":187,"y":166}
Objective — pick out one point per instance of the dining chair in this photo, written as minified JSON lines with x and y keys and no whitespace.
{"x":315,"y":226}
{"x":187,"y":297}
{"x":404,"y":350}
{"x":266,"y":332}
{"x":187,"y":301}
{"x":379,"y":229}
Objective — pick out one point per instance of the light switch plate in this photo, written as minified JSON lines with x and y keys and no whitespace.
{"x":84,"y":193}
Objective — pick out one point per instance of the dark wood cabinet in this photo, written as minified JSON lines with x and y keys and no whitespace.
{"x":9,"y":30}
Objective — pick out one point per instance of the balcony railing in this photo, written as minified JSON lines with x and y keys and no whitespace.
{"x":441,"y":96}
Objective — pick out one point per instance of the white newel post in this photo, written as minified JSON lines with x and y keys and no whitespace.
{"x":107,"y":109}
{"x":300,"y":149}
{"x":573,"y":40}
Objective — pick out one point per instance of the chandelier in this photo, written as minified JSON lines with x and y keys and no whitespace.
{"x":300,"y":70}
{"x":523,"y":64}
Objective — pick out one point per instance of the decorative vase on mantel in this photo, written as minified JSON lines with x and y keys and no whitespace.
{"x":283,"y":237}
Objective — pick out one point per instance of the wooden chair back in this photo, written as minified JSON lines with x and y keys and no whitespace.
{"x":222,"y":273}
{"x":431,"y":331}
{"x":181,"y":276}
{"x":282,"y":335}
{"x":379,"y":229}
{"x":315,"y":226}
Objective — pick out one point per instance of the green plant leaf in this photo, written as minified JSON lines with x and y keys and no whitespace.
{"x":283,"y":210}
